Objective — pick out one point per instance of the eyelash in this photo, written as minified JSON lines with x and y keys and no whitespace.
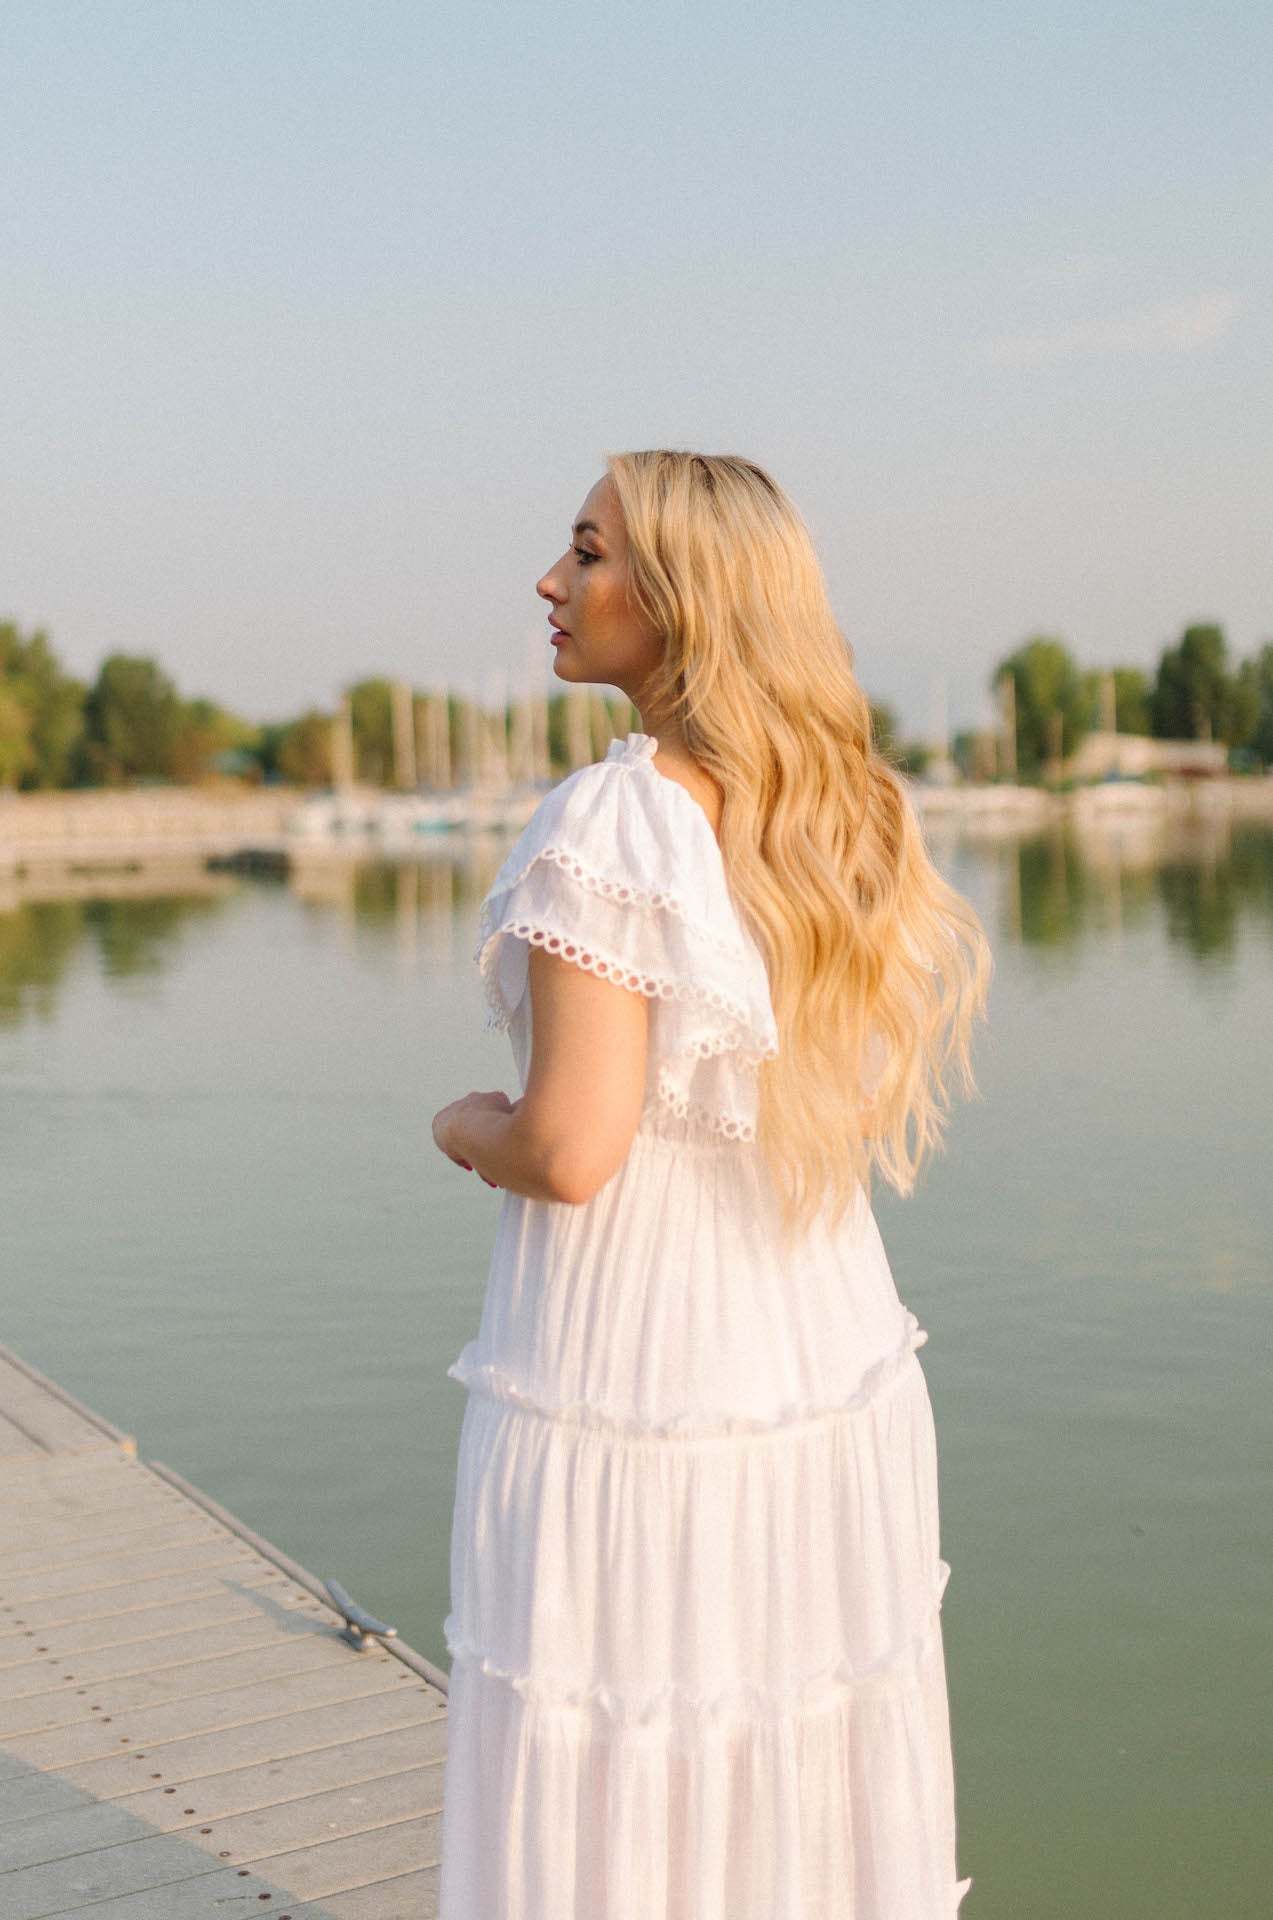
{"x":585,"y":556}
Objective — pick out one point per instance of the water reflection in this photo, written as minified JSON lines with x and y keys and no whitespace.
{"x":36,"y":944}
{"x":1062,"y":887}
{"x":1058,"y":889}
{"x":132,"y":919}
{"x":40,"y":939}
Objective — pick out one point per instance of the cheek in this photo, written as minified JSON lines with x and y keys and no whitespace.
{"x":613,"y":605}
{"x":588,"y":601}
{"x":601,"y":602}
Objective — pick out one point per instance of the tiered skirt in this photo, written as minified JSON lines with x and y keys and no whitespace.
{"x":697,"y":1666}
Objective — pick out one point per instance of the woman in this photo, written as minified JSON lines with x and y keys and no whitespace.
{"x":697,"y":1668}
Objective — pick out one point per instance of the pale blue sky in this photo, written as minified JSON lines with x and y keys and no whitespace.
{"x":318,"y":320}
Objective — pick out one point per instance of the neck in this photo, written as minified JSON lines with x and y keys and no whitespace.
{"x":659,"y":725}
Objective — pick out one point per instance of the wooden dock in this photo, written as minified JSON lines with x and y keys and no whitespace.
{"x":184,"y":1731}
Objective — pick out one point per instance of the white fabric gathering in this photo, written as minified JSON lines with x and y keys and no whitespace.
{"x":697,"y":1669}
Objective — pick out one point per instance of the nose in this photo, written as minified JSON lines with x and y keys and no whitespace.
{"x":547,"y":589}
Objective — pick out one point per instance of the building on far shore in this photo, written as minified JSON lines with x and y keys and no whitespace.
{"x":1133,"y":755}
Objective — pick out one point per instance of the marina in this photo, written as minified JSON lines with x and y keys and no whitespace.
{"x":46,"y":838}
{"x":186,"y":1729}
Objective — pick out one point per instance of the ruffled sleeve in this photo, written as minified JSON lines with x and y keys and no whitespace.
{"x":619,"y":872}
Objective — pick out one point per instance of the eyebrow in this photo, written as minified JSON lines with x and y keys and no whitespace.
{"x":586,"y":526}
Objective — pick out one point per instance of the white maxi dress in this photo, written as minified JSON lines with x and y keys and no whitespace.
{"x":696,"y":1655}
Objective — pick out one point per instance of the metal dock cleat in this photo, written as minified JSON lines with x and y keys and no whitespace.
{"x":360,"y":1627}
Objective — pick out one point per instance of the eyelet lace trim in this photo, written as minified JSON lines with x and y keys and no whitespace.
{"x":728,"y":1039}
{"x":652,"y":985}
{"x":727,"y":1125}
{"x":626,"y":894}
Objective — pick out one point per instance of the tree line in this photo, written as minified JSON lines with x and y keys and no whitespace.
{"x":132,"y":725}
{"x":1194,"y":693}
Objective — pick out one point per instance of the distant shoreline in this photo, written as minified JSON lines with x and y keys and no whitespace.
{"x":80,"y":828}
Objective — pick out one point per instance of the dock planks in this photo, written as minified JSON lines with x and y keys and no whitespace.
{"x":184,"y":1735}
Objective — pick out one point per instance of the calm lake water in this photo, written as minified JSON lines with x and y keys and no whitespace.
{"x":226,"y":1227}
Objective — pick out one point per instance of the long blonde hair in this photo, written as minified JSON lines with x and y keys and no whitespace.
{"x":877,"y":967}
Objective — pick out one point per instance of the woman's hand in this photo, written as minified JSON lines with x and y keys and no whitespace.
{"x":449,"y":1121}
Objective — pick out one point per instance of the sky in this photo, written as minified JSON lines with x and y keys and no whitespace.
{"x":319,"y":321}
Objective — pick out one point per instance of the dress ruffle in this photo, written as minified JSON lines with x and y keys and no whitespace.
{"x":619,"y":872}
{"x":497,"y":1384}
{"x":670,"y":1301}
{"x":713,"y":1675}
{"x":696,"y":1578}
{"x":832,"y":1817}
{"x":703,"y":1575}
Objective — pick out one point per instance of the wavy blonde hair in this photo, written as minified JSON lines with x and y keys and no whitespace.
{"x":877,"y":967}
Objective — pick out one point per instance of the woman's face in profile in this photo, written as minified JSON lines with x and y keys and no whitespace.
{"x":599,"y":633}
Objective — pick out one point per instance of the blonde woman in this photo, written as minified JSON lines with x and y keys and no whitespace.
{"x":697,"y":1666}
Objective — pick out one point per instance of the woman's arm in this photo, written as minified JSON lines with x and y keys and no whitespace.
{"x":572,"y":1128}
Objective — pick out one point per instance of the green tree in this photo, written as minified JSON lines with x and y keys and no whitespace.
{"x":1194,"y":695}
{"x":304,"y":752}
{"x":31,"y":675}
{"x":371,"y":707}
{"x":16,"y":756}
{"x":269,"y":738}
{"x":1053,"y":706}
{"x":1254,"y":703}
{"x":132,"y":721}
{"x":204,"y":732}
{"x":1131,"y":698}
